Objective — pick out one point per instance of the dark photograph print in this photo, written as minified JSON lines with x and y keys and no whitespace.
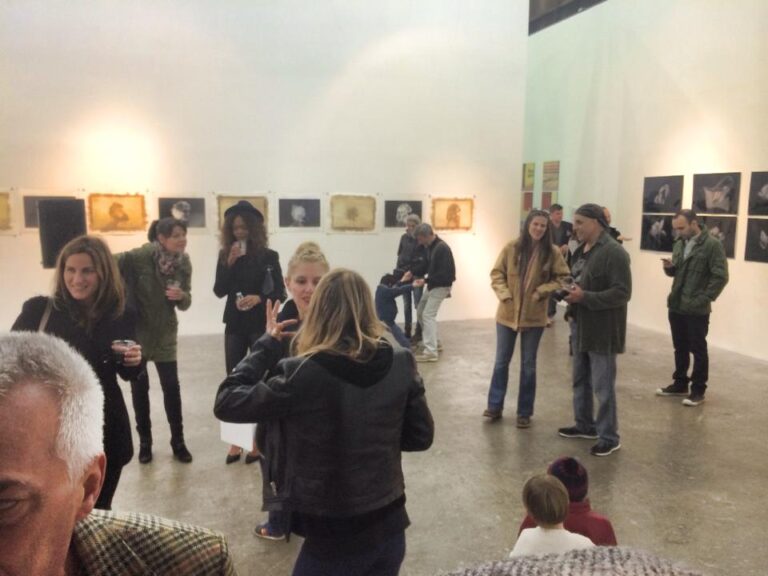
{"x":189,"y":210}
{"x":716,"y":193}
{"x":662,"y":194}
{"x":758,"y":194}
{"x":657,"y":233}
{"x":757,"y":240}
{"x":299,"y":212}
{"x":396,"y":211}
{"x":724,"y":229}
{"x":30,"y":208}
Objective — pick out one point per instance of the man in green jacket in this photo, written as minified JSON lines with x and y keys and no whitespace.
{"x":598,"y":312}
{"x":700,"y":271}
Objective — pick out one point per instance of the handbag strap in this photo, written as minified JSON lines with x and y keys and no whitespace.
{"x":46,"y":316}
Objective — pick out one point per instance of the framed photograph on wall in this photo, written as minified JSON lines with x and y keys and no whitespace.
{"x":5,"y":210}
{"x":189,"y":210}
{"x":724,"y":229}
{"x":299,"y":212}
{"x":656,"y":234}
{"x":353,"y":213}
{"x":529,"y":176}
{"x":758,"y":194}
{"x":452,"y":213}
{"x":662,"y":194}
{"x":31,"y":219}
{"x":757,"y":240}
{"x":716,"y":193}
{"x":396,"y":211}
{"x":117,"y":212}
{"x":258,"y":202}
{"x":550,"y":181}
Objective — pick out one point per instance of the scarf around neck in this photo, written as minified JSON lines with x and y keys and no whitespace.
{"x":167,"y":262}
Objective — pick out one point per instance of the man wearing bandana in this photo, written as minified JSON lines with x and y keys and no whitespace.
{"x":598,"y":315}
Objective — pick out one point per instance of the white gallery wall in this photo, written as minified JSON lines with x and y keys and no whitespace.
{"x":393,"y":99}
{"x":632,"y":89}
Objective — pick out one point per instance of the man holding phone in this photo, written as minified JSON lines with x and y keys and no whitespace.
{"x":700,"y":271}
{"x":598,"y":314}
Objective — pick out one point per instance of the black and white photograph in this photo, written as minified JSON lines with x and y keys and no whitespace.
{"x":757,"y":240}
{"x":716,"y":193}
{"x":662,"y":194}
{"x":299,"y":212}
{"x":758,"y":194}
{"x":724,"y":229}
{"x":31,"y":219}
{"x":657,"y":233}
{"x":396,"y":211}
{"x":189,"y":210}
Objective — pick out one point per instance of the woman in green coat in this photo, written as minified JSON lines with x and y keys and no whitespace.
{"x":158,"y":278}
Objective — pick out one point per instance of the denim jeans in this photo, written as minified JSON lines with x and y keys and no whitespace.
{"x":594,"y":373}
{"x":505,"y":346}
{"x":427,"y":315}
{"x":410,"y":298}
{"x":399,"y":335}
{"x":382,"y":560}
{"x":689,"y":336}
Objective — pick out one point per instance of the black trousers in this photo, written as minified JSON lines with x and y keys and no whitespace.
{"x":169,"y":381}
{"x":108,"y":489}
{"x":236,"y":346}
{"x":689,"y":336}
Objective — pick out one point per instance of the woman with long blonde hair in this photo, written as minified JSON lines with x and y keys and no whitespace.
{"x":344,"y":407}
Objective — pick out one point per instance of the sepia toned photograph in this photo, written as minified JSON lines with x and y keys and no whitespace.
{"x":353,"y":213}
{"x":716,"y":193}
{"x":757,"y":240}
{"x":656,"y":234}
{"x":550,"y":181}
{"x":758,"y":194}
{"x":117,"y":212}
{"x":662,"y":194}
{"x":299,"y":212}
{"x":452,"y":213}
{"x":189,"y":210}
{"x":5,"y":210}
{"x":722,"y":228}
{"x":258,"y":202}
{"x":396,"y":211}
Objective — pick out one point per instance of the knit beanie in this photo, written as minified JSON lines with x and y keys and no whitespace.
{"x":571,"y":473}
{"x":593,"y":211}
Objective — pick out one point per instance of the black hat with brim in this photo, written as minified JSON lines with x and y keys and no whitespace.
{"x":244,"y":207}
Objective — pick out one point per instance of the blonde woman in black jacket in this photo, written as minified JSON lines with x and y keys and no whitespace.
{"x":339,"y":413}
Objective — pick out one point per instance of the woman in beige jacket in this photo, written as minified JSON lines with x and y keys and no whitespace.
{"x":526,"y":272}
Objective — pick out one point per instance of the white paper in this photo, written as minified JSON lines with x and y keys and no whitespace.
{"x":238,"y":434}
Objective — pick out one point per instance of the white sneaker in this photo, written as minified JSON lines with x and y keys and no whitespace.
{"x":425,"y":357}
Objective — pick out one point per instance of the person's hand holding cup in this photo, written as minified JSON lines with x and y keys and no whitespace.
{"x":173,"y":290}
{"x":126,"y":353}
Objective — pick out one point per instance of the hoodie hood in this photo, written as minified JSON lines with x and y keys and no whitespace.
{"x":360,"y":374}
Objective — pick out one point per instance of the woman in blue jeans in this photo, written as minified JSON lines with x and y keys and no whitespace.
{"x":528,"y":270}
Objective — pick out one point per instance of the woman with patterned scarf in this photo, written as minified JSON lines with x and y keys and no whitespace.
{"x":158,"y":277}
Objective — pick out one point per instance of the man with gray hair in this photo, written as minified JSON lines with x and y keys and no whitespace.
{"x":441,"y":274}
{"x":411,"y":257}
{"x":51,"y":470}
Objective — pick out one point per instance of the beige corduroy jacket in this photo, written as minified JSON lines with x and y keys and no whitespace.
{"x":545,"y":277}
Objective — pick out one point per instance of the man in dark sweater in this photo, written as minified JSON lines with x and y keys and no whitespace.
{"x":562,"y":231}
{"x":411,"y":257}
{"x":441,"y":274}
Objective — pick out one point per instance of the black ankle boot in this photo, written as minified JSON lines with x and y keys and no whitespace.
{"x":407,"y":330}
{"x":145,"y":452}
{"x":181,"y":453}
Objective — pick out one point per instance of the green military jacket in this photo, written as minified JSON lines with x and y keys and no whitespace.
{"x":157,"y":324}
{"x":698,"y":279}
{"x":601,"y":317}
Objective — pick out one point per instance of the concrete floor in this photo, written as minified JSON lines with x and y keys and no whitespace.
{"x":689,"y":483}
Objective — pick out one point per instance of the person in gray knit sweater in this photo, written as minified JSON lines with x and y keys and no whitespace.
{"x":597,"y":561}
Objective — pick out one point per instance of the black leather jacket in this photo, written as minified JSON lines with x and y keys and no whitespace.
{"x":335,"y":427}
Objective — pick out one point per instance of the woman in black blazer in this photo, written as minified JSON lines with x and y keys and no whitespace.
{"x":87,"y":310}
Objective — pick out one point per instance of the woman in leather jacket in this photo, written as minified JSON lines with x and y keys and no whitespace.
{"x":339,"y":412}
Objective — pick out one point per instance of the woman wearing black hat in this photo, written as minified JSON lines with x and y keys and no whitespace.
{"x":247,"y":273}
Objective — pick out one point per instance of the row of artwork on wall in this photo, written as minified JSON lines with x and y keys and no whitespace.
{"x":127,"y":212}
{"x":716,"y":201}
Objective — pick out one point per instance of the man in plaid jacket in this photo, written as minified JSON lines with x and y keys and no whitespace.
{"x":51,"y":470}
